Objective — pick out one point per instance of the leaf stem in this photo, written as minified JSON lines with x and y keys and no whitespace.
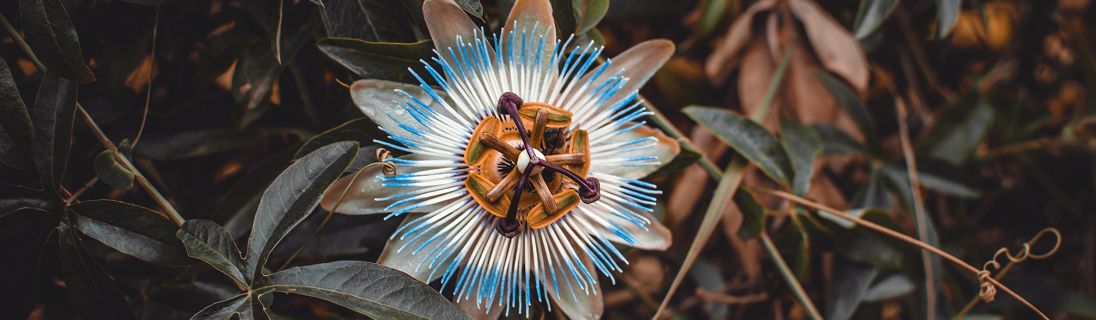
{"x":22,"y":43}
{"x":789,"y":276}
{"x":918,"y":205}
{"x":896,"y":235}
{"x":169,"y":210}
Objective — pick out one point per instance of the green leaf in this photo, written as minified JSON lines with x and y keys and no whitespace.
{"x":377,"y":60}
{"x":837,"y":142}
{"x":892,"y":287}
{"x":871,"y":15}
{"x":369,"y":20}
{"x":133,"y":230}
{"x":588,"y":13}
{"x":565,"y":16}
{"x":54,"y":110}
{"x":961,"y":128}
{"x":190,"y":144}
{"x":50,"y":34}
{"x":14,"y":118}
{"x":205,"y":240}
{"x":111,"y":172}
{"x":367,"y":288}
{"x":801,"y":145}
{"x":361,"y":130}
{"x":850,"y":102}
{"x":947,"y":15}
{"x":851,"y":280}
{"x":225,"y":309}
{"x":88,"y":285}
{"x":753,"y":215}
{"x":748,"y":138}
{"x":291,"y":197}
{"x":873,"y":194}
{"x":10,"y":206}
{"x":935,"y":175}
{"x":258,"y":70}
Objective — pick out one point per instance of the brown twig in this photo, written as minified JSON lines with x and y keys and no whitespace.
{"x":899,"y":236}
{"x":918,"y":204}
{"x":988,"y":292}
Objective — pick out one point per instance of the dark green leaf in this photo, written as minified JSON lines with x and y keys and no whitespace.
{"x":947,"y":15}
{"x":377,"y":60}
{"x":892,"y":287}
{"x":367,"y":288}
{"x":369,"y":20}
{"x":802,"y":145}
{"x":753,"y":214}
{"x":748,"y":138}
{"x":707,"y":276}
{"x":851,"y":280}
{"x":52,"y":37}
{"x":54,"y":110}
{"x":935,"y":175}
{"x":133,"y":230}
{"x":873,"y":194}
{"x":258,"y":70}
{"x":183,"y":300}
{"x":14,"y":118}
{"x":194,"y":143}
{"x":205,"y":240}
{"x":9,"y":206}
{"x":291,"y":197}
{"x":837,"y":142}
{"x":871,"y":15}
{"x":956,"y":136}
{"x":361,"y":130}
{"x":90,"y":288}
{"x":589,"y":12}
{"x":111,"y":172}
{"x":566,"y":19}
{"x":850,"y":102}
{"x":225,"y":309}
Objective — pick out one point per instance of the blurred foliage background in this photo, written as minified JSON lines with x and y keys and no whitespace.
{"x":991,"y":103}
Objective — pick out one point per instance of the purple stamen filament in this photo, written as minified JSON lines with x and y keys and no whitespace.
{"x":589,"y":188}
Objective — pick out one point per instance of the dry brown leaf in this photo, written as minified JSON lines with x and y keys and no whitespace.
{"x":804,"y":93}
{"x":724,"y":58}
{"x":753,"y":82}
{"x":835,"y":46}
{"x":694,"y":180}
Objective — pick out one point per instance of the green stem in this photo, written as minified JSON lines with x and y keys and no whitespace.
{"x":789,"y":277}
{"x":124,"y":161}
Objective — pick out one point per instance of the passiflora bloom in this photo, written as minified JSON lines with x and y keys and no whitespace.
{"x":522,"y":162}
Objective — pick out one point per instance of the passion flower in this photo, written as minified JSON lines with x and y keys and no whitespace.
{"x":522,"y":166}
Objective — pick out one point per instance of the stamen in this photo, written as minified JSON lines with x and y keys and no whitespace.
{"x":589,"y":188}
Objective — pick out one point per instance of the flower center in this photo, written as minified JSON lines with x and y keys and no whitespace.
{"x":498,"y":147}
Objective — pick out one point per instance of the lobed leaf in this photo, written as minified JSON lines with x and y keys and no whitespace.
{"x":50,"y":33}
{"x":367,"y":288}
{"x":91,"y":289}
{"x":291,"y":197}
{"x":133,"y":230}
{"x":14,"y":117}
{"x":205,"y":240}
{"x":54,"y":110}
{"x":377,"y":60}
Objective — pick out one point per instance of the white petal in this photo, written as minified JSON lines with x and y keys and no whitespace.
{"x":446,"y":20}
{"x":615,"y":160}
{"x":379,"y":100}
{"x":587,"y":305}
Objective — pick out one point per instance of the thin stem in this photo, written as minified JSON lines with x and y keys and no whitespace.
{"x":22,"y":44}
{"x":169,"y":210}
{"x":918,"y":205}
{"x":896,"y":235}
{"x":148,"y":91}
{"x":78,"y":192}
{"x":789,"y":277}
